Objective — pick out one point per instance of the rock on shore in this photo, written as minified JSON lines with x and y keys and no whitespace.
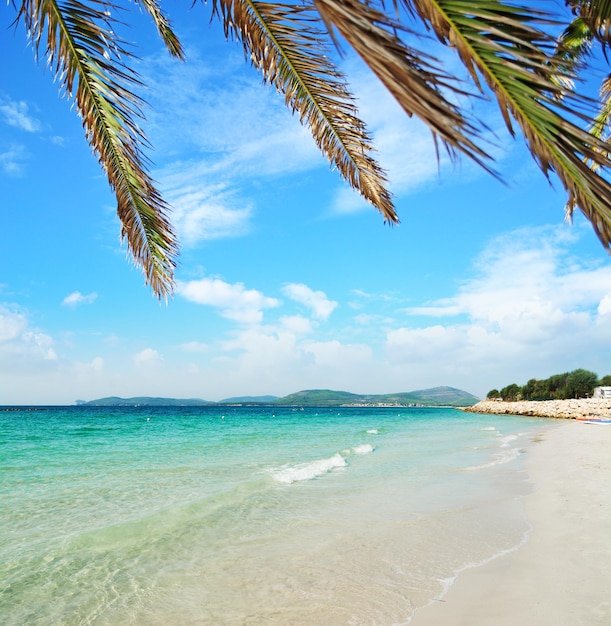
{"x":562,"y":409}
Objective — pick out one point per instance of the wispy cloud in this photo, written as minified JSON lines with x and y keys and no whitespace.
{"x":16,"y":113}
{"x":316,"y":301}
{"x":12,"y":160}
{"x":237,"y":134}
{"x":203,"y":212}
{"x":76,"y":298}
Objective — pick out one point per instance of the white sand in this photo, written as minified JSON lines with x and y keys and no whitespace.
{"x":561,"y":576}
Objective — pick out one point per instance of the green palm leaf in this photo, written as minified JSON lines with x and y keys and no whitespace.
{"x":285,"y":44}
{"x":88,"y":58}
{"x":506,"y":46}
{"x":411,"y":75}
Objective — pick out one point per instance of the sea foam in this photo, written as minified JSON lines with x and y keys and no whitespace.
{"x":314,"y":469}
{"x":308,"y":471}
{"x":366,"y":448}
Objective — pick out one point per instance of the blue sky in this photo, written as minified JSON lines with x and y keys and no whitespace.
{"x":287,"y":280}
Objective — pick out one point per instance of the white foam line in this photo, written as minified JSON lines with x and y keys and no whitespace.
{"x":314,"y":469}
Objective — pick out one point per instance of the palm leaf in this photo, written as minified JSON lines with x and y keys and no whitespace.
{"x":507,"y":47}
{"x":411,"y":75}
{"x":284,"y":43}
{"x":163,"y":28}
{"x":88,"y":59}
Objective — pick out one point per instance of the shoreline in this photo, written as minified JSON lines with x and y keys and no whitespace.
{"x":582,"y":408}
{"x":561,"y":574}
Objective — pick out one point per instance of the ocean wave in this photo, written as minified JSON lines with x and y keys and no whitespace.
{"x":320,"y":467}
{"x":372,"y":431}
{"x":366,"y":448}
{"x":308,"y":471}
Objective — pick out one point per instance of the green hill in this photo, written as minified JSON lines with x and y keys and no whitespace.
{"x":249,"y":400}
{"x":145,"y":401}
{"x":437,"y":396}
{"x":319,"y":397}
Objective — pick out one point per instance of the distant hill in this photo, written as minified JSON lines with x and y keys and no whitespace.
{"x":146,"y":401}
{"x":319,"y":397}
{"x":249,"y":400}
{"x":437,"y":396}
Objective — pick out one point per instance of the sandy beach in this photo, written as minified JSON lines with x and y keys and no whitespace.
{"x":561,"y":575}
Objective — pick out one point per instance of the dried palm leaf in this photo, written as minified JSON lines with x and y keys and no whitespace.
{"x":163,"y":28}
{"x":89,"y":59}
{"x":284,"y":42}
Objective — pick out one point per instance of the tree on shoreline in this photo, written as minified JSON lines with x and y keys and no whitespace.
{"x":579,"y":383}
{"x":510,"y":53}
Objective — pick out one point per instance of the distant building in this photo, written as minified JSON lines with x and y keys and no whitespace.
{"x":602,"y":392}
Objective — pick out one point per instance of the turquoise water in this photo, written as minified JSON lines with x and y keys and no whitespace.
{"x":221,"y":515}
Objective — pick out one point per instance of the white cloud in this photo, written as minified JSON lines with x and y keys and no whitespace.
{"x":297,"y":324}
{"x":317,"y":301}
{"x":234,"y":301}
{"x":22,"y":346}
{"x":604,"y":308}
{"x":12,"y":160}
{"x":147,"y":356}
{"x":240,"y":133}
{"x":12,"y":325}
{"x":77,"y":298}
{"x":16,"y":114}
{"x":531,"y":310}
{"x":203,"y":211}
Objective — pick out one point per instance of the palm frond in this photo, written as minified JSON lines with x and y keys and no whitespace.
{"x":411,"y":75}
{"x":596,"y":15}
{"x":163,"y":28}
{"x":284,"y":43}
{"x":507,"y":46}
{"x":88,"y":59}
{"x":602,"y":122}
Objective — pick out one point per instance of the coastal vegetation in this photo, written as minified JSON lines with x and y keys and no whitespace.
{"x":579,"y":383}
{"x":538,"y":64}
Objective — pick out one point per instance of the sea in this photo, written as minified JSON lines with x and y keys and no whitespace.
{"x":220,"y":515}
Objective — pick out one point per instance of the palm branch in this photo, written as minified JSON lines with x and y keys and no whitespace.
{"x":412,"y":76}
{"x":285,"y":44}
{"x":574,"y":48}
{"x":507,"y":51}
{"x":507,"y":47}
{"x":89,"y":60}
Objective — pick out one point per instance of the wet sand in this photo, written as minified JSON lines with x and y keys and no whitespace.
{"x":561,"y":576}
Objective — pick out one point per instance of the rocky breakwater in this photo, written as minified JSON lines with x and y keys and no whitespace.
{"x":584,"y":408}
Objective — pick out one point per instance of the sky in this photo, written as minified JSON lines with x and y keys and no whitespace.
{"x":287,"y":280}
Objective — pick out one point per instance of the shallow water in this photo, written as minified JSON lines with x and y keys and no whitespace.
{"x":221,"y":515}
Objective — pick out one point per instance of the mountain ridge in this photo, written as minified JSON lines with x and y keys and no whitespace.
{"x":434,"y":396}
